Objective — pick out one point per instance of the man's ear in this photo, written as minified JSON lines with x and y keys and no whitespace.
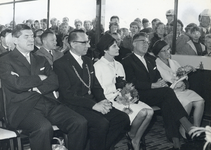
{"x":72,"y":44}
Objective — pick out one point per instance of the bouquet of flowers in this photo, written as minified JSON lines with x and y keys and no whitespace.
{"x":181,"y":75}
{"x":183,"y":71}
{"x":126,"y":96}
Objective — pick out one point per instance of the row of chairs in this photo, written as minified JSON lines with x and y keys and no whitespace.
{"x":13,"y":137}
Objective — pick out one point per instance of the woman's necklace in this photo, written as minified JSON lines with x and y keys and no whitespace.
{"x":89,"y":85}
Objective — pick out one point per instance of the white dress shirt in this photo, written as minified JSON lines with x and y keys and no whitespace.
{"x":142,"y":60}
{"x":77,"y":58}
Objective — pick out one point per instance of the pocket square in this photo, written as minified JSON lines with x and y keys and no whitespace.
{"x":154,"y":68}
{"x":42,"y":68}
{"x":91,"y":72}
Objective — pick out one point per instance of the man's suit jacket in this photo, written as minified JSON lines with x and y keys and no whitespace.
{"x":137,"y":73}
{"x":2,"y":49}
{"x":71,"y":90}
{"x":43,"y":52}
{"x":19,"y":77}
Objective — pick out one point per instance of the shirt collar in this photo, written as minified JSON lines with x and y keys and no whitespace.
{"x":47,"y":50}
{"x":74,"y":55}
{"x":25,"y":54}
{"x":106,"y":61}
{"x":139,"y":56}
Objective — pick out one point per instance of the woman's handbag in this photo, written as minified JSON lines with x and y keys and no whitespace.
{"x":59,"y":146}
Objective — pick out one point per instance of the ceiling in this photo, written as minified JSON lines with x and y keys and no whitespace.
{"x":5,"y":2}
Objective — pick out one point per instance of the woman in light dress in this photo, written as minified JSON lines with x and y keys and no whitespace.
{"x":107,"y":69}
{"x":168,"y":68}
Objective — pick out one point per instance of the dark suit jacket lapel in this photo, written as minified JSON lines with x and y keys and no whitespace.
{"x":86,"y":72}
{"x":20,"y":58}
{"x":81,"y":71}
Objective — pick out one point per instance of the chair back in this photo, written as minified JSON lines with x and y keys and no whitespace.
{"x":3,"y":107}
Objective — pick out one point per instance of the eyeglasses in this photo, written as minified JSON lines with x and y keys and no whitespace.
{"x":142,"y":41}
{"x":83,"y":42}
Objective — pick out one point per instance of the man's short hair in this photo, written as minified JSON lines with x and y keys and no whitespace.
{"x":137,"y":35}
{"x":18,"y":28}
{"x":86,"y":21}
{"x":4,"y":32}
{"x":135,"y":23}
{"x":78,"y":21}
{"x":155,"y":20}
{"x":73,"y":35}
{"x":113,"y":17}
{"x":45,"y":34}
{"x":38,"y":30}
{"x":36,"y":21}
{"x":44,"y":20}
{"x":189,"y":26}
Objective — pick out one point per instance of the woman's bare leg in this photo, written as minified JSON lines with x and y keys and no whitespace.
{"x":198,"y":112}
{"x":139,"y":125}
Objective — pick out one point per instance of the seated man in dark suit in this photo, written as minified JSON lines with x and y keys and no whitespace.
{"x":48,"y":48}
{"x":29,"y":81}
{"x":141,"y":70}
{"x":80,"y":90}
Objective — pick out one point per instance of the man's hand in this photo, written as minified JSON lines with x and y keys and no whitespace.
{"x":103,"y":106}
{"x":160,"y":83}
{"x":42,"y":77}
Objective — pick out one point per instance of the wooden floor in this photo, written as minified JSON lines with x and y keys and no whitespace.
{"x":155,"y":139}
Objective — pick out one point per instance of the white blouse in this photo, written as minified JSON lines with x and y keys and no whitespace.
{"x":106,"y":73}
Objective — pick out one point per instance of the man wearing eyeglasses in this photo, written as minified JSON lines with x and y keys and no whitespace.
{"x":80,"y":90}
{"x":141,"y":70}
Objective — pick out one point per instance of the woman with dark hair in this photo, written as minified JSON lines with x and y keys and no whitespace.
{"x":106,"y":70}
{"x":168,"y":69}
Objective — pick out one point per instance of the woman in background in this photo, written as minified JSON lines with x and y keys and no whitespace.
{"x":107,"y":69}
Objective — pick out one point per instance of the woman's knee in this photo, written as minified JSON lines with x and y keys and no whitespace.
{"x":199,"y":103}
{"x":150,"y":113}
{"x":142,"y":113}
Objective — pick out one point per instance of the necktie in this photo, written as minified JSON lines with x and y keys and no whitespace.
{"x":50,"y":52}
{"x":28,"y":58}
